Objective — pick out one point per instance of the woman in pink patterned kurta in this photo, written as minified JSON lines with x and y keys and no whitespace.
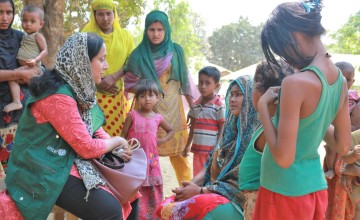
{"x":143,"y":125}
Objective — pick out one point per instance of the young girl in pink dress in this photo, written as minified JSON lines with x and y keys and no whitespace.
{"x":143,"y":125}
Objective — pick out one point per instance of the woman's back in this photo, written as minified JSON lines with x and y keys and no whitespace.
{"x":310,"y":86}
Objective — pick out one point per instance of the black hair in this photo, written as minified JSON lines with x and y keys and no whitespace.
{"x":50,"y":81}
{"x":212,"y":72}
{"x":13,"y":8}
{"x":278,"y":37}
{"x":345,"y":66}
{"x":146,"y":85}
{"x":94,"y":44}
{"x":268,"y":75}
{"x":33,"y":8}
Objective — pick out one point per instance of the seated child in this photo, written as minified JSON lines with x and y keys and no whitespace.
{"x":266,"y":76}
{"x":32,"y":50}
{"x":206,"y":119}
{"x":354,"y":109}
{"x":350,"y":178}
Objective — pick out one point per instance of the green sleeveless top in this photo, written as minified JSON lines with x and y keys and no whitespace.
{"x":40,"y":162}
{"x":305,"y":175}
{"x":249,"y":171}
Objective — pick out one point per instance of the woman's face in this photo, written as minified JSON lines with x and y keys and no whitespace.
{"x":105,"y":20}
{"x":99,"y":65}
{"x":6,"y":15}
{"x":156,"y":33}
{"x":236,"y":99}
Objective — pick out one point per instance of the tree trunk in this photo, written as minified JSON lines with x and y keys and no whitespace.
{"x":53,"y":27}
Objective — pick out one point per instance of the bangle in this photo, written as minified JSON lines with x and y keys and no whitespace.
{"x":201,"y":190}
{"x":113,"y":77}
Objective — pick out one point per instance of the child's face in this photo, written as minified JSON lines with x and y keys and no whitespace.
{"x":207,"y":85}
{"x":147,"y":100}
{"x":349,"y":76}
{"x":236,"y":99}
{"x":31,"y":22}
{"x":256,"y":95}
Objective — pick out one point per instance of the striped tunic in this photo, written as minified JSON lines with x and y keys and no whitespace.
{"x":207,"y":119}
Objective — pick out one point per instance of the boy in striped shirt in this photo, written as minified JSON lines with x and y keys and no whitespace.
{"x":206,"y":118}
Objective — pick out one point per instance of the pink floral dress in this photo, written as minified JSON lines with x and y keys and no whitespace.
{"x":145,"y":130}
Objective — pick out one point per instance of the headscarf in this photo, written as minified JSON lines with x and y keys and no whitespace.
{"x":119,"y":43}
{"x":9,"y":46}
{"x":73,"y":64}
{"x":150,"y":61}
{"x":223,"y":164}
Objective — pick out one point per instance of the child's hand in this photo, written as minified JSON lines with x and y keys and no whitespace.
{"x":186,"y":151}
{"x":31,"y":63}
{"x":270,"y":96}
{"x":356,"y":152}
{"x":160,"y":141}
{"x":347,"y":182}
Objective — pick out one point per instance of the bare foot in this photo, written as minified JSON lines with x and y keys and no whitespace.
{"x":12,"y":106}
{"x":351,"y":170}
{"x":329,"y":174}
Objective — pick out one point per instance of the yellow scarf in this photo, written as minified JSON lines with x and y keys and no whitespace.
{"x":119,"y":43}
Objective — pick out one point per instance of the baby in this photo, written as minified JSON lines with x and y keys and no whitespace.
{"x":32,"y":50}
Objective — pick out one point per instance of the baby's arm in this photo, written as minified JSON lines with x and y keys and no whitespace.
{"x":41,"y":42}
{"x":330,"y":162}
{"x":353,"y":155}
{"x":169,"y":132}
{"x":351,"y":169}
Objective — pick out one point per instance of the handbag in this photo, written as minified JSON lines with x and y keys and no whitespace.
{"x":123,"y":179}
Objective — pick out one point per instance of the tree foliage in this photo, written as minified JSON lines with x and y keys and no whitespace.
{"x":236,"y":45}
{"x":347,"y":38}
{"x":63,"y":18}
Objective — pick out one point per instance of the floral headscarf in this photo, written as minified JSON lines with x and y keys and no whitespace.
{"x":74,"y":66}
{"x":223,"y":164}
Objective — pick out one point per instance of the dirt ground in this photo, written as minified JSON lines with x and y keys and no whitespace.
{"x":168,"y":173}
{"x":169,"y":177}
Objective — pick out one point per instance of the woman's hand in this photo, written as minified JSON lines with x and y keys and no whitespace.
{"x":126,"y":155}
{"x":25,"y":74}
{"x":186,"y":191}
{"x":107,"y":84}
{"x":123,"y":149}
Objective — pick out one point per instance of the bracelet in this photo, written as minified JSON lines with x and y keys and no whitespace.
{"x":113,"y":77}
{"x":201,"y":190}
